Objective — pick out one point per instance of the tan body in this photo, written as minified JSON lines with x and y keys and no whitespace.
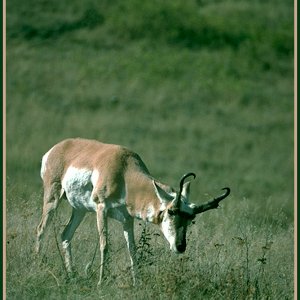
{"x":112,"y":167}
{"x":112,"y":181}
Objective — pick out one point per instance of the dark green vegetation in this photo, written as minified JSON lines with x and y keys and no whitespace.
{"x":202,"y":86}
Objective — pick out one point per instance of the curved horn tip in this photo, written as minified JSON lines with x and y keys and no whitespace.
{"x":178,"y":198}
{"x":187,"y":175}
{"x":227,"y":190}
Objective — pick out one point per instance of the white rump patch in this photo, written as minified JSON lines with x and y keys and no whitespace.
{"x":44,"y":161}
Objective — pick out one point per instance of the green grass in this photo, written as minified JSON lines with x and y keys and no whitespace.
{"x":202,"y":86}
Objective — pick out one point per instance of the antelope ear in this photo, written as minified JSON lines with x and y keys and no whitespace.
{"x":164,"y":196}
{"x":186,"y":190}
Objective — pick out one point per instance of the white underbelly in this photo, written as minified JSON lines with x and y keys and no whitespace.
{"x":78,"y":186}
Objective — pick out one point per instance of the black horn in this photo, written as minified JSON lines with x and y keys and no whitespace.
{"x":213,"y":203}
{"x":224,"y":195}
{"x":182,"y":180}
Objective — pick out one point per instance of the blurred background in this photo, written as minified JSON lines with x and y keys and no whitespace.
{"x":201,"y":86}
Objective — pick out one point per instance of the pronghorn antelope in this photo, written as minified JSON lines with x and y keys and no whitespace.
{"x":114,"y":182}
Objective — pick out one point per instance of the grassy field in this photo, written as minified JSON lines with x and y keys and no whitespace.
{"x":201,"y":86}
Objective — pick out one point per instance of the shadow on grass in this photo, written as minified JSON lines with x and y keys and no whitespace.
{"x":90,"y":19}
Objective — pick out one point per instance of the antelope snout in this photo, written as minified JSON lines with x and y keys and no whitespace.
{"x":181,"y":246}
{"x":178,"y":248}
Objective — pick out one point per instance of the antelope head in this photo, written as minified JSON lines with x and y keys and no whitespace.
{"x":177,"y":213}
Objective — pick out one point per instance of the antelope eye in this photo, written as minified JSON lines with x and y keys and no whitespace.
{"x":172,"y":212}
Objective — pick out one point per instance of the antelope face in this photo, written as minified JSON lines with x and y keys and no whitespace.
{"x":177,"y":213}
{"x":174,"y":227}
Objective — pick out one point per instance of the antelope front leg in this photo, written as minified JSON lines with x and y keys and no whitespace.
{"x":102,"y":229}
{"x":129,"y":236}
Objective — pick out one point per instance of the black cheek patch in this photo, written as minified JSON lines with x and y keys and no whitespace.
{"x":186,"y":216}
{"x":181,"y":214}
{"x":173,"y":212}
